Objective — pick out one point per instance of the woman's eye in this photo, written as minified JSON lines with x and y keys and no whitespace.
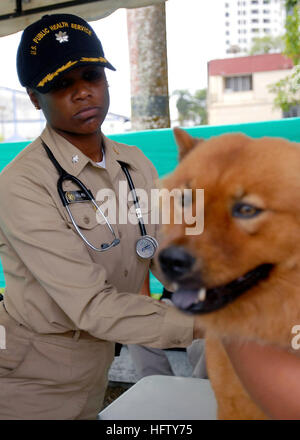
{"x":61,"y":84}
{"x":93,"y":75}
{"x":245,"y":210}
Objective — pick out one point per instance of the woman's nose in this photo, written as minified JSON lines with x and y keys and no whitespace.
{"x":81,"y":90}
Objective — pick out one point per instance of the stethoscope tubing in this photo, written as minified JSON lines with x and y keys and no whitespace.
{"x":63,"y":176}
{"x":135,"y":198}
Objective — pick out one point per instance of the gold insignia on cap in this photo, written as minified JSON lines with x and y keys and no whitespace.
{"x":50,"y":76}
{"x":95,"y":60}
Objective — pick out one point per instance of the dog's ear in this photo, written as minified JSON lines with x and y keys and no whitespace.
{"x":184,"y":141}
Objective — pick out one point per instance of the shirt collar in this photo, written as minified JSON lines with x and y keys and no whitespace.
{"x":74,"y":161}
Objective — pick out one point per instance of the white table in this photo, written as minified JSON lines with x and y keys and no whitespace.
{"x":164,"y":398}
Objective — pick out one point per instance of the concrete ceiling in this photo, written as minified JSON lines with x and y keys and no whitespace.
{"x":15,"y":15}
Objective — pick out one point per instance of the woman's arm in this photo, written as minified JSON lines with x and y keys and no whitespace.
{"x":270,"y":375}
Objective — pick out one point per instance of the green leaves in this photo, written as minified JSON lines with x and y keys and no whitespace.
{"x":287,"y":90}
{"x":191,"y":107}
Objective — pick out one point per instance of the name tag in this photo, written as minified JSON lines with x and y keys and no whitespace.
{"x":76,"y":196}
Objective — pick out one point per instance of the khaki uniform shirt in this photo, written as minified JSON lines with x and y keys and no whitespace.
{"x":54,"y":281}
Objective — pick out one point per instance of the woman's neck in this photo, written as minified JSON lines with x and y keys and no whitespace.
{"x":88,"y":144}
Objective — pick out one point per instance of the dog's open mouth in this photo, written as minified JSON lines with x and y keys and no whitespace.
{"x":190,"y":298}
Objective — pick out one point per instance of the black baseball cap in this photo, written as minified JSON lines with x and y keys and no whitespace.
{"x":54,"y":45}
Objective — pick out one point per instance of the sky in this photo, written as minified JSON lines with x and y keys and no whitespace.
{"x":191,"y":43}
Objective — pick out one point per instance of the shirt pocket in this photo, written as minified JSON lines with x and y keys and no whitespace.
{"x":91,"y":224}
{"x":14,"y":355}
{"x":84,"y":215}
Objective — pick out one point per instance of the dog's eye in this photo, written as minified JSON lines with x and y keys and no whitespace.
{"x":245,"y":210}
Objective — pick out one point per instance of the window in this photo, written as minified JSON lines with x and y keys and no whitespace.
{"x":238,"y":83}
{"x":227,"y":14}
{"x":254,"y":11}
{"x":265,"y":2}
{"x":254,"y":2}
{"x":267,"y":20}
{"x":255,"y":30}
{"x":254,"y":20}
{"x":293,"y":112}
{"x":266,"y":11}
{"x":267,"y":30}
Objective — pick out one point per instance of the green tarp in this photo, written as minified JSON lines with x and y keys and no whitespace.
{"x":159,"y":146}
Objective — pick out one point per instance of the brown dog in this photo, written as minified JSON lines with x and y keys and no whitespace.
{"x":243,"y":272}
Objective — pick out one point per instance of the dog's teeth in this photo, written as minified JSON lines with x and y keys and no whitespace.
{"x":202,"y":294}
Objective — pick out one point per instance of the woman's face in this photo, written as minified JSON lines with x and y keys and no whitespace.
{"x":78,"y":103}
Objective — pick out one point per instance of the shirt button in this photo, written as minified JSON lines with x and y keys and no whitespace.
{"x":86,"y":220}
{"x":125,"y":273}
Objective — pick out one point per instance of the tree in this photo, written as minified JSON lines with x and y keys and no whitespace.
{"x":191,"y":107}
{"x":292,"y":26}
{"x":287,"y":90}
{"x":267,"y":44}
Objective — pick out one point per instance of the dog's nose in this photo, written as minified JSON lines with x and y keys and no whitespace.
{"x":175,"y":262}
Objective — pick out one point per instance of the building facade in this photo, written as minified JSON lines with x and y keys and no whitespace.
{"x":238,"y":88}
{"x":245,"y":20}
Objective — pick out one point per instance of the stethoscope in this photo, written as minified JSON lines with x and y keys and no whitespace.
{"x":145,"y":246}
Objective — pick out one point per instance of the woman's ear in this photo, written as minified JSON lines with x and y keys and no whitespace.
{"x":33,"y":98}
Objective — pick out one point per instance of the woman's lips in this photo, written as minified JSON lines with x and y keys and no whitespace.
{"x":87,"y":113}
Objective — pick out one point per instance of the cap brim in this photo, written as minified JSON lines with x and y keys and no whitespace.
{"x":45,"y":84}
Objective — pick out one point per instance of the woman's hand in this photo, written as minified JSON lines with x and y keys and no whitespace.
{"x":270,"y":375}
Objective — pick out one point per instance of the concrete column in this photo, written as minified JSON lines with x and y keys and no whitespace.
{"x":149,"y":68}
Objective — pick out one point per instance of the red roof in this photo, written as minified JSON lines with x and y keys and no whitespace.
{"x":250,"y":64}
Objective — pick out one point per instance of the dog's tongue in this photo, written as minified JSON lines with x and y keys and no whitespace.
{"x":185,"y":298}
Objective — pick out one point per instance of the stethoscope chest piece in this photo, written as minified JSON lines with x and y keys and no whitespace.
{"x":146,"y":247}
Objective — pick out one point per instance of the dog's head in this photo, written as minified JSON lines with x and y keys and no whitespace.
{"x":251,"y":220}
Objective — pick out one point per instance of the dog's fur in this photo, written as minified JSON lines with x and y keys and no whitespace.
{"x":264,"y":173}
